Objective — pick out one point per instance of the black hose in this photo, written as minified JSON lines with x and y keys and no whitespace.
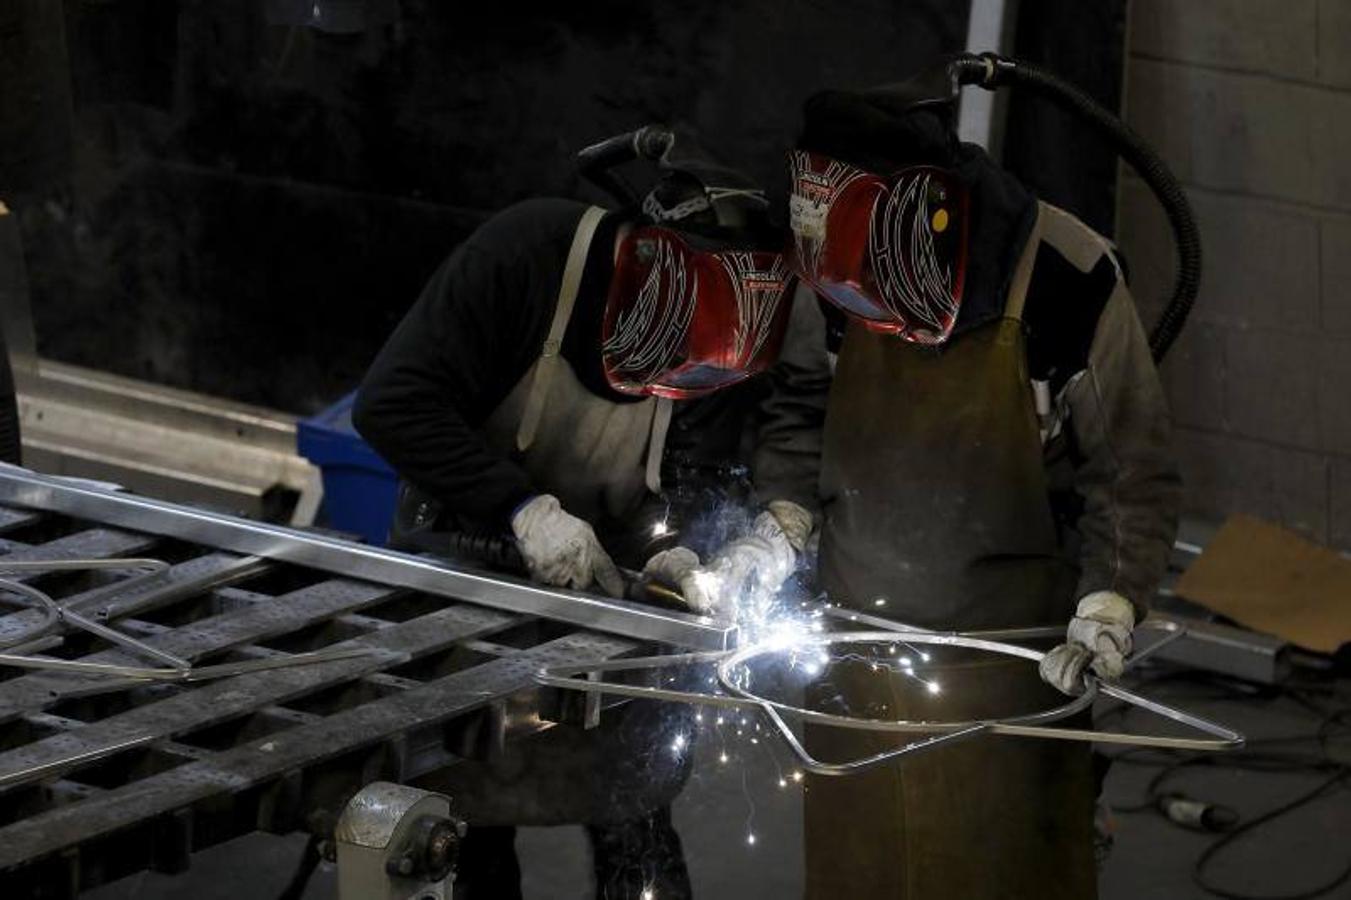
{"x":300,"y":879}
{"x":487,"y":547}
{"x":989,"y":70}
{"x":598,"y":161}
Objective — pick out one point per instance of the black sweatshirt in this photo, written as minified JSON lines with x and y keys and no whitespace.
{"x":473,"y":334}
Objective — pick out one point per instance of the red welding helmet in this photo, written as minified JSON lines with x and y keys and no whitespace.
{"x":686,"y":316}
{"x":888,"y":250}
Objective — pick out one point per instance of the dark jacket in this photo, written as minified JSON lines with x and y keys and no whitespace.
{"x":473,"y":334}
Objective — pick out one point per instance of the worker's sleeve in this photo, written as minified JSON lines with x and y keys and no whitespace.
{"x":787,"y":460}
{"x":451,"y":361}
{"x":1125,"y":469}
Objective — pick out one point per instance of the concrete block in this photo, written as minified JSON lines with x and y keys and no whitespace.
{"x":1271,"y":388}
{"x":1334,"y":25}
{"x":1261,"y":258}
{"x":1273,"y":36}
{"x":1334,"y":402}
{"x":1339,"y":502}
{"x":1193,"y":375}
{"x":1227,"y":131}
{"x":1330,"y":144}
{"x":1335,"y":262}
{"x":1224,"y":474}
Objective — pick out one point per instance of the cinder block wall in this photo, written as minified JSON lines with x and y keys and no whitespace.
{"x":1250,"y":102}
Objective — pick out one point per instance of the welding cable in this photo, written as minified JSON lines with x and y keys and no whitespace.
{"x":1255,"y":757}
{"x":310,"y":858}
{"x":990,"y":71}
{"x":1207,"y":856}
{"x":598,"y":161}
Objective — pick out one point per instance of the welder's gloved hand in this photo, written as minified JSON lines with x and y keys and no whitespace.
{"x":561,"y":549}
{"x":679,"y":567}
{"x":1098,"y":637}
{"x":760,"y":561}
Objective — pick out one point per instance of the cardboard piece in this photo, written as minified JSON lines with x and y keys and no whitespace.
{"x":1272,"y":580}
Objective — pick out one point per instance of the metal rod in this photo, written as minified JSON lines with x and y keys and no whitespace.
{"x":201,"y":673}
{"x":20,"y":487}
{"x":34,"y":773}
{"x":1034,"y":724}
{"x":993,"y":634}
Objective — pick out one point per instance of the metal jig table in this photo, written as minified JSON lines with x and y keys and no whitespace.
{"x":103,"y":777}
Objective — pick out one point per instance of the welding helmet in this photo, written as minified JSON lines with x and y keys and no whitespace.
{"x":878,"y":211}
{"x":701,"y":289}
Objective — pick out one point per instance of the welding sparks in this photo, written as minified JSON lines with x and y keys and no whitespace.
{"x":708,"y":582}
{"x":783,"y":782}
{"x":660,"y":529}
{"x":797,"y":776}
{"x":678,"y":745}
{"x":722,"y":758}
{"x":750,"y":839}
{"x":933,"y":687}
{"x":649,"y":894}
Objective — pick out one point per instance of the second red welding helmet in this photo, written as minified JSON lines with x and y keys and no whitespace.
{"x":880,"y":205}
{"x":886,"y":249}
{"x":701,"y":291}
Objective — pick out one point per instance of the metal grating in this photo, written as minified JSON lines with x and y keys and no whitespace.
{"x":99,"y":778}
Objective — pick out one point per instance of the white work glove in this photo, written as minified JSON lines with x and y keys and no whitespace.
{"x":1098,"y":637}
{"x":762,"y":560}
{"x":679,"y":566}
{"x":561,"y":549}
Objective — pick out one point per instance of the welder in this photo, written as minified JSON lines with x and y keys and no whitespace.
{"x":579,"y":381}
{"x":985,"y":443}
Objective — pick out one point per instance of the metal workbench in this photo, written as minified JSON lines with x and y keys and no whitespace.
{"x":99,"y":779}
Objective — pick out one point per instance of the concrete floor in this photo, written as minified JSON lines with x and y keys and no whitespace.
{"x":725,"y":802}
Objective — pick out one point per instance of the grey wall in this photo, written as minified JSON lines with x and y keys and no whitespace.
{"x":1250,"y":102}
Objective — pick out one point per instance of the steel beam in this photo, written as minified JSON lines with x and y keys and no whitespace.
{"x":22,"y":488}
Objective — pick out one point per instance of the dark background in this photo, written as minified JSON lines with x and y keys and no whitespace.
{"x":230,"y":197}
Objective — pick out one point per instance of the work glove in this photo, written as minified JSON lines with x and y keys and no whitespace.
{"x":679,"y":567}
{"x":761,"y":561}
{"x":561,"y":549}
{"x":1098,"y":637}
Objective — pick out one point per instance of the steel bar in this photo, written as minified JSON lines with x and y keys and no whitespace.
{"x":65,"y":763}
{"x":994,"y":634}
{"x":55,"y":612}
{"x":234,"y":772}
{"x":1036,"y":724}
{"x":176,"y":674}
{"x":20,"y":487}
{"x":222,"y":700}
{"x":237,"y":627}
{"x":195,"y":576}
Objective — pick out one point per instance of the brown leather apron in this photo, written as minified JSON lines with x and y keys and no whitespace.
{"x":935,"y":502}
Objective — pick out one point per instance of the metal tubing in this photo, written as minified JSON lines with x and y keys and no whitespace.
{"x":20,"y":487}
{"x":201,"y":673}
{"x":940,"y":733}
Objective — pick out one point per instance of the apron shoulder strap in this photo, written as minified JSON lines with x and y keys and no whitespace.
{"x":1022,"y":272}
{"x":553,"y":344}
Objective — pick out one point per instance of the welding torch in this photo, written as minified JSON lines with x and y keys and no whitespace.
{"x":500,"y":551}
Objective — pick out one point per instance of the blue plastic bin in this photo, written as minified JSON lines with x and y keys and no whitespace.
{"x":359,"y":486}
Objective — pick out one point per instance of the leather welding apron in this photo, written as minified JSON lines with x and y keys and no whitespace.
{"x":936,"y":504}
{"x":600,"y":459}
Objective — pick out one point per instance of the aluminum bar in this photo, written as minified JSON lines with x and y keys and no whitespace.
{"x":29,"y":490}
